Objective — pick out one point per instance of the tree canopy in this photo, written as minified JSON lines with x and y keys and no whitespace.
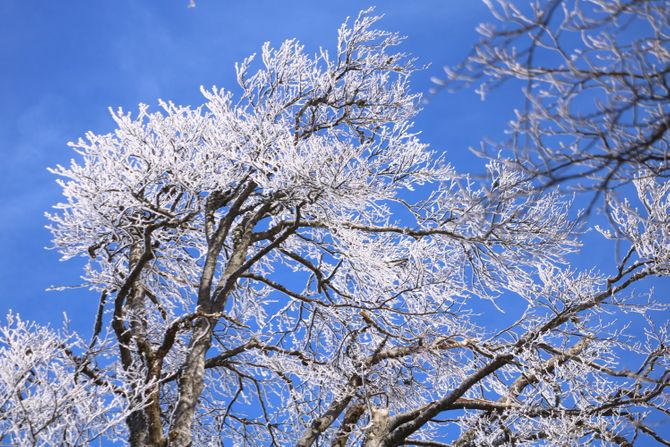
{"x":291,"y":265}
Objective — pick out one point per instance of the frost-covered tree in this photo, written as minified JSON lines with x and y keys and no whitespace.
{"x":294,"y":267}
{"x":49,"y":396}
{"x":595,"y":76}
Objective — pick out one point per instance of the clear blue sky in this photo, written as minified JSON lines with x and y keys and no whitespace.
{"x":64,"y":63}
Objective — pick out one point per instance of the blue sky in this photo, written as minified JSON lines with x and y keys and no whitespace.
{"x":65,"y":63}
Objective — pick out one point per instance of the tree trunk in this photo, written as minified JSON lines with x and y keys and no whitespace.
{"x":379,"y":428}
{"x":137,"y":428}
{"x":191,"y":382}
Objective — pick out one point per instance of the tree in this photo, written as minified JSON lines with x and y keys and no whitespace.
{"x":49,"y":396}
{"x":595,"y":78}
{"x":297,"y":268}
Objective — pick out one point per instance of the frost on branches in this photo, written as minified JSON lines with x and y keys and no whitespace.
{"x":294,"y":267}
{"x":49,"y":396}
{"x":595,"y":75}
